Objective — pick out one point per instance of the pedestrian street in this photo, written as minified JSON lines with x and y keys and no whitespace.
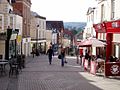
{"x":39,"y":75}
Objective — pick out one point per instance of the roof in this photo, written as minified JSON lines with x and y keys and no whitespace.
{"x":68,"y":32}
{"x":90,"y":10}
{"x":37,"y":15}
{"x":58,"y":25}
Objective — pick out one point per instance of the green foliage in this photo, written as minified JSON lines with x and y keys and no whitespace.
{"x":74,"y":32}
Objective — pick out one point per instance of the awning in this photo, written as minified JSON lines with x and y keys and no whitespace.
{"x":84,"y":43}
{"x":92,"y":42}
{"x":39,"y":41}
{"x":108,"y":27}
{"x":113,"y":26}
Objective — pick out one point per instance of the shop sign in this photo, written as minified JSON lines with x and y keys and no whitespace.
{"x":99,"y":27}
{"x":114,"y":69}
{"x":115,"y":24}
{"x":19,"y":39}
{"x":93,"y":67}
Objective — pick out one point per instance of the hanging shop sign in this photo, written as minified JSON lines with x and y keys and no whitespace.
{"x":100,"y":27}
{"x":19,"y":39}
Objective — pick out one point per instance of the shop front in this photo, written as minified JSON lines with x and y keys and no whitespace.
{"x":40,"y":45}
{"x":112,"y":68}
{"x":92,"y":62}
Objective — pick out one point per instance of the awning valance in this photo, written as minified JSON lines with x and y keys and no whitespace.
{"x":108,"y":27}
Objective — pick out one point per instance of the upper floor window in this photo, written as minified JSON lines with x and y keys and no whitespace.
{"x":11,"y":21}
{"x":1,"y":22}
{"x":43,"y":24}
{"x":102,"y":12}
{"x":112,"y":9}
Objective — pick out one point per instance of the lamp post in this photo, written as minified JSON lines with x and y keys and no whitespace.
{"x":37,"y":53}
{"x":9,"y":33}
{"x":62,"y":37}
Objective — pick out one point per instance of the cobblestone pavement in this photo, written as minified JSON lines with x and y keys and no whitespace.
{"x":39,"y":75}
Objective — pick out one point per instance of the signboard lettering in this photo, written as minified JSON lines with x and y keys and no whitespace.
{"x":115,"y":25}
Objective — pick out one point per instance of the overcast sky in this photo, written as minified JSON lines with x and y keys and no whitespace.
{"x":65,"y":10}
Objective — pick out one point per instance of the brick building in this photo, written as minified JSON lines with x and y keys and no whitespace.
{"x":23,"y":7}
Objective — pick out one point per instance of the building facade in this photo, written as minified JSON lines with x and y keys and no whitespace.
{"x":23,"y":7}
{"x":48,"y":39}
{"x":10,"y":30}
{"x":89,"y":30}
{"x":38,"y":32}
{"x":57,"y":29}
{"x":107,"y":26}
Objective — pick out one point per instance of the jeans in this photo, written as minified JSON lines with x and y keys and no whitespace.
{"x":50,"y":59}
{"x":62,"y":61}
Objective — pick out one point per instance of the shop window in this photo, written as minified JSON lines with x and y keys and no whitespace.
{"x":12,"y":48}
{"x":102,"y":12}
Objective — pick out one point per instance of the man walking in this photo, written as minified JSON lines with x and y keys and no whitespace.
{"x":62,"y":57}
{"x":50,"y":53}
{"x":33,"y":52}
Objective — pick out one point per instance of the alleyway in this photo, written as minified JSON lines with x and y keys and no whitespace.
{"x":39,"y":75}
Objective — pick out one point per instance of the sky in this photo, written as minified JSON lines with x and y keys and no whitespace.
{"x":64,"y":10}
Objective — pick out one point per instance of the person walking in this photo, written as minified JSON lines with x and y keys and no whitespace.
{"x":81,"y":55}
{"x":77,"y":55}
{"x":33,"y":52}
{"x":50,"y":54}
{"x":62,"y":56}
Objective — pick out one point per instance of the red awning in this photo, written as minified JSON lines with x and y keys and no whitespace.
{"x":113,"y":26}
{"x":108,"y":27}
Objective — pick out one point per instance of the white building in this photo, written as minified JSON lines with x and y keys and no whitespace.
{"x":89,"y":30}
{"x":48,"y":38}
{"x":38,"y":32}
{"x":109,"y":11}
{"x":9,"y":20}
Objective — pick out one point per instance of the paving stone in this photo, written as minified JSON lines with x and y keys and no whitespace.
{"x":39,"y":75}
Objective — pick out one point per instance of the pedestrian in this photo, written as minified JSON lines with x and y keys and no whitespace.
{"x":77,"y":55}
{"x":81,"y":55}
{"x":50,"y":54}
{"x":33,"y":52}
{"x":62,"y":56}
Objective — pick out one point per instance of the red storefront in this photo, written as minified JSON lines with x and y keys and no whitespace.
{"x":110,"y":28}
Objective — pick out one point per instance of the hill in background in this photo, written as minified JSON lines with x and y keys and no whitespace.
{"x":74,"y":25}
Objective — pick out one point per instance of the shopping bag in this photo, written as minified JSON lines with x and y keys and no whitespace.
{"x":59,"y":56}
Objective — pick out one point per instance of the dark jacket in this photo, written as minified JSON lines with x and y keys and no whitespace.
{"x":50,"y":52}
{"x":63,"y":54}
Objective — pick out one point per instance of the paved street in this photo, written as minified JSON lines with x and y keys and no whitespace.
{"x":39,"y":75}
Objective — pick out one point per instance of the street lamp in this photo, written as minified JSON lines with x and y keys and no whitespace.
{"x":37,"y":53}
{"x":61,"y":37}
